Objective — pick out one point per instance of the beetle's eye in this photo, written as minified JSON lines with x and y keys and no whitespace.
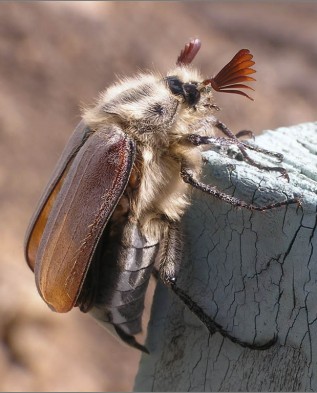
{"x":192,"y":94}
{"x":188,"y":90}
{"x":175,"y":85}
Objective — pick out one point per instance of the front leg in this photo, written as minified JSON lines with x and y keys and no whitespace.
{"x":199,"y":140}
{"x":170,"y":262}
{"x":206,"y":126}
{"x":242,"y":146}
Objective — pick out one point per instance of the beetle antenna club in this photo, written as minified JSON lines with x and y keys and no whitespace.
{"x":121,"y":187}
{"x":189,"y":52}
{"x":229,"y":79}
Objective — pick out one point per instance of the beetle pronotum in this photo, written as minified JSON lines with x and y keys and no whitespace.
{"x":114,"y":203}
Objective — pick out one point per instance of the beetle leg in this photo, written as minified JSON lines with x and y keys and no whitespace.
{"x":171,"y":249}
{"x":242,"y":146}
{"x":130,"y":340}
{"x":199,"y":140}
{"x":155,"y":273}
{"x":213,"y":326}
{"x":190,"y":178}
{"x":278,"y":156}
{"x":204,"y":126}
{"x":246,"y":133}
{"x":171,"y":257}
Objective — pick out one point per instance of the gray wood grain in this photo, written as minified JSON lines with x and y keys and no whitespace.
{"x":255,"y":273}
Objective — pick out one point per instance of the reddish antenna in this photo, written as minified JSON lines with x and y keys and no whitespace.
{"x":236,"y":71}
{"x":189,"y":52}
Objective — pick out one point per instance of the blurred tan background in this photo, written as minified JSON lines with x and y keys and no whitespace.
{"x":57,"y":56}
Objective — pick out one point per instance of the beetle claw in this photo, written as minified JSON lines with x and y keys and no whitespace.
{"x":130,"y":340}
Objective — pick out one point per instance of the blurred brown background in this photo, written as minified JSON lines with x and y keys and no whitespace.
{"x":57,"y":56}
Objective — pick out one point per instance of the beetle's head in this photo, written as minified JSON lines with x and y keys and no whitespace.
{"x":186,"y":83}
{"x":189,"y":91}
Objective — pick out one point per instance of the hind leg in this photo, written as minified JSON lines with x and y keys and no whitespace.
{"x":170,"y":262}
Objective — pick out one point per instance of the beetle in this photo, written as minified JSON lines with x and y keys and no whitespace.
{"x":113,"y":206}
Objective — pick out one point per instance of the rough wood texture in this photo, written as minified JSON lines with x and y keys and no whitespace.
{"x":255,"y":273}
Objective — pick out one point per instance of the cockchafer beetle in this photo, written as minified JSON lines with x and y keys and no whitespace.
{"x":114,"y":203}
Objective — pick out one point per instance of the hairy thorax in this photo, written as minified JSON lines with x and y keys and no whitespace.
{"x":158,"y":121}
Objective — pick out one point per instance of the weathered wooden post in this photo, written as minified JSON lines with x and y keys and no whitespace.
{"x":255,"y":273}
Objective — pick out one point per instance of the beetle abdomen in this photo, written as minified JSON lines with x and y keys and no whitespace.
{"x":125,"y":260}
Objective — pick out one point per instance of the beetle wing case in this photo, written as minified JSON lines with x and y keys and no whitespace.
{"x":84,"y":190}
{"x":38,"y":221}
